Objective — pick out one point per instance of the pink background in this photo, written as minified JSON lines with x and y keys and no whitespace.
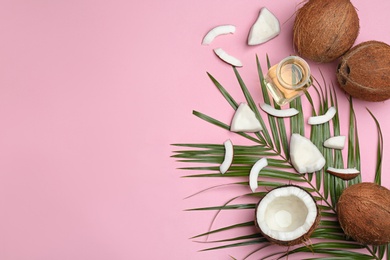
{"x":92,"y":94}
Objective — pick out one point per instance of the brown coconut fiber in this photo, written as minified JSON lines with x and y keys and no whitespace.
{"x":364,"y":71}
{"x":364,"y":213}
{"x":325,"y":29}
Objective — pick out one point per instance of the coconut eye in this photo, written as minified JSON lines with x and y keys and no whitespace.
{"x":347,"y":70}
{"x":343,"y":81}
{"x":364,"y":71}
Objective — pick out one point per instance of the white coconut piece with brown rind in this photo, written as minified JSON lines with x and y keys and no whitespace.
{"x":344,"y":173}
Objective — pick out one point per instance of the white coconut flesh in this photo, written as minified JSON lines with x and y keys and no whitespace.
{"x":264,"y":29}
{"x":286,"y":213}
{"x":227,"y":57}
{"x":245,"y":120}
{"x":305,"y":156}
{"x":217,"y":31}
{"x":289,"y":112}
{"x":317,"y":120}
{"x":228,"y":158}
{"x":343,"y":170}
{"x":335,"y":142}
{"x":344,"y":173}
{"x":254,"y":173}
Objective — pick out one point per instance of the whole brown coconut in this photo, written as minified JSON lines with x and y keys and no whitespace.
{"x":364,"y":71}
{"x":325,"y":29}
{"x":364,"y":213}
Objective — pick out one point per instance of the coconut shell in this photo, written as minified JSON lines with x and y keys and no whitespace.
{"x":298,"y":240}
{"x":364,"y":71}
{"x":325,"y":29}
{"x":364,"y":213}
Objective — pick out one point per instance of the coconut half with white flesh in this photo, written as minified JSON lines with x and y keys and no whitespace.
{"x":305,"y":156}
{"x":287,"y":215}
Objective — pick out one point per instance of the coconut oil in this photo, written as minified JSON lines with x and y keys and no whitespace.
{"x":288,"y":79}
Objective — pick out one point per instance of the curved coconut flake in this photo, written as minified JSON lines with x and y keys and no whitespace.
{"x":278,"y":112}
{"x":254,"y":173}
{"x":216,"y":31}
{"x":227,"y":161}
{"x":305,"y":156}
{"x":317,"y":120}
{"x":345,"y":174}
{"x":245,"y":120}
{"x":335,"y":142}
{"x":227,"y":57}
{"x":264,"y":29}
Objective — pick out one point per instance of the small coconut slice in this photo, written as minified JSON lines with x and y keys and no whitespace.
{"x":228,"y":159}
{"x":245,"y":120}
{"x":305,"y":156}
{"x":335,"y":142}
{"x":264,"y":29}
{"x":254,"y":173}
{"x":216,"y":31}
{"x":227,"y":57}
{"x":345,"y":174}
{"x":317,"y":120}
{"x":279,"y":112}
{"x":287,"y":215}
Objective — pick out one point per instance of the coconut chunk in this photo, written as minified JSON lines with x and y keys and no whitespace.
{"x":245,"y":120}
{"x":254,"y":173}
{"x":305,"y":156}
{"x":264,"y":29}
{"x":345,"y":174}
{"x":217,"y":31}
{"x":287,"y":215}
{"x":278,"y":112}
{"x":317,"y":120}
{"x":228,"y":159}
{"x":335,"y":142}
{"x":227,"y":57}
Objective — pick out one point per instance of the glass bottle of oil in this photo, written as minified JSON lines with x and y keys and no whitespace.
{"x":288,"y":79}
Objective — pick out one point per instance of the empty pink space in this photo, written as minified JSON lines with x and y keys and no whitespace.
{"x":93,"y":94}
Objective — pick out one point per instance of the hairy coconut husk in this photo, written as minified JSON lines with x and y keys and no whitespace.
{"x":364,"y":213}
{"x":364,"y":71}
{"x":325,"y":29}
{"x":298,"y":240}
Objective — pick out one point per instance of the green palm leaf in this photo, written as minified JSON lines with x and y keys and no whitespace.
{"x":203,"y":160}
